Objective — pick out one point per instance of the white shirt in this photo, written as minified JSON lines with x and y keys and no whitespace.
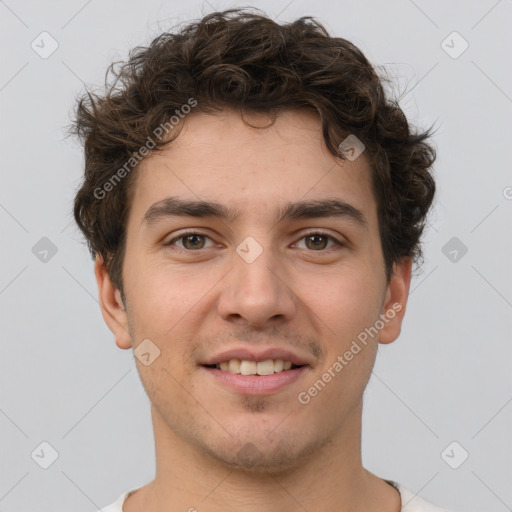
{"x":410,"y":502}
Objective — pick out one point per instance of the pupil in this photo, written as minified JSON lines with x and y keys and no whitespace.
{"x":316,"y":238}
{"x":193,"y":239}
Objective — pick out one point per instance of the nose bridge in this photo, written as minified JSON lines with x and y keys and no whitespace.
{"x":255,"y":290}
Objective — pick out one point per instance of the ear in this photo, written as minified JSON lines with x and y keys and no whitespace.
{"x":112,"y":307}
{"x":396,"y":300}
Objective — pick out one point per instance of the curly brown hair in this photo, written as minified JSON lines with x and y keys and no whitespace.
{"x":240,"y":59}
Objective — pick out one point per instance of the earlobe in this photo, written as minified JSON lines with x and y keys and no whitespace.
{"x":112,"y":307}
{"x":396,"y":300}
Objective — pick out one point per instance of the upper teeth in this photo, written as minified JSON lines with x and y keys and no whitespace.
{"x":267,"y":367}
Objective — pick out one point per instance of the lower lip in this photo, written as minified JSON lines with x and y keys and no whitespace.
{"x":256,"y":384}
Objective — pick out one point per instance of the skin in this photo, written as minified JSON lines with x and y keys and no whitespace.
{"x":217,"y":449}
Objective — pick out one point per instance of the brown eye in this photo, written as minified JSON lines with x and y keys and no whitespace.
{"x":190,"y":242}
{"x":319,"y":241}
{"x":316,"y":242}
{"x":193,"y":241}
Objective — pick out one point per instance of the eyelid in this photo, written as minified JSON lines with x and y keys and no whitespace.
{"x":319,"y":231}
{"x":308,"y":232}
{"x":187,"y":232}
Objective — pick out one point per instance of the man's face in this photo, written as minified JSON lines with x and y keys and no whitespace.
{"x":270,"y":284}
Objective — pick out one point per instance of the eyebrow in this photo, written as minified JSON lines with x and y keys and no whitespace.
{"x":320,"y":208}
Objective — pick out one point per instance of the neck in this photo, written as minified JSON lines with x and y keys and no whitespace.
{"x":330,"y":479}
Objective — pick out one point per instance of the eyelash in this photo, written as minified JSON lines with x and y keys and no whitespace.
{"x":308,"y":234}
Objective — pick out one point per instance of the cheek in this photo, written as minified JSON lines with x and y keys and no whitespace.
{"x":169,"y":307}
{"x":161,"y":295}
{"x":344,"y":302}
{"x":344,"y":311}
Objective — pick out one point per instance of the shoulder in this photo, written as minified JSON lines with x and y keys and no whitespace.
{"x":117,"y":506}
{"x":414,"y":503}
{"x":410,"y":502}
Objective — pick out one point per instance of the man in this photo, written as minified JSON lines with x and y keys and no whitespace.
{"x":254,"y":202}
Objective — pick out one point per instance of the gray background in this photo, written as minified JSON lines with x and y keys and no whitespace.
{"x":447,"y":378}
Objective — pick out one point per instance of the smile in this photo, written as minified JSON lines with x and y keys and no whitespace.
{"x":244,"y":377}
{"x":245,"y":367}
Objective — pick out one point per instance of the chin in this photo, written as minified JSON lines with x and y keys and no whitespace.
{"x":265,"y":456}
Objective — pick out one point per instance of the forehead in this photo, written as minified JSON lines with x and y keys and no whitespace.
{"x":252,"y":166}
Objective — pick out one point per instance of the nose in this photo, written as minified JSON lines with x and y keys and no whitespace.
{"x":257,"y":293}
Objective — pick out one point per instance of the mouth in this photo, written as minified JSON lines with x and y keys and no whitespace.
{"x":259,"y":368}
{"x":255,"y":376}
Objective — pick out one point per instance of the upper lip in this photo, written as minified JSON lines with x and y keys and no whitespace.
{"x":251,"y":354}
